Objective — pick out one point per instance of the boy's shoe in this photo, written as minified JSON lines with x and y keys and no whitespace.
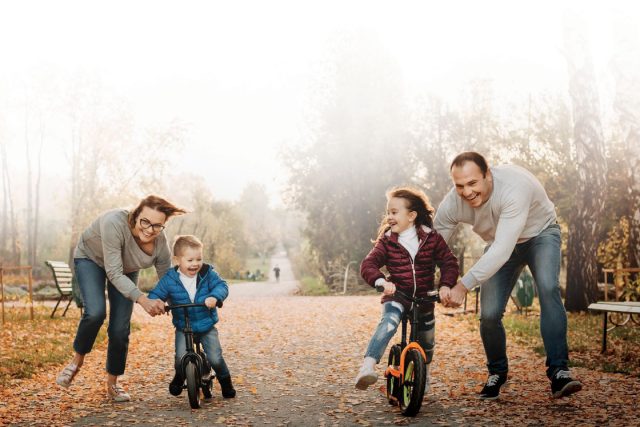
{"x":117,"y":394}
{"x":491,"y":390}
{"x":67,"y":375}
{"x":366,"y":377}
{"x":228,"y":391}
{"x":176,"y":385}
{"x":563,"y":385}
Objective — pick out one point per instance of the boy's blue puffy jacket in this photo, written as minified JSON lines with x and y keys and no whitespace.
{"x":208,"y":284}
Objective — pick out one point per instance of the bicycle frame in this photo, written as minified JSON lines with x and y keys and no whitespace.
{"x":195,"y":355}
{"x":413,"y":338}
{"x":191,"y":350}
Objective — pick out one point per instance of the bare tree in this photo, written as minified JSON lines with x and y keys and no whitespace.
{"x":9,"y":226}
{"x":626,"y":68}
{"x":582,"y":275}
{"x":33,"y":189}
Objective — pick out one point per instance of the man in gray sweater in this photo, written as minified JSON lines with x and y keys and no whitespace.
{"x":509,"y":209}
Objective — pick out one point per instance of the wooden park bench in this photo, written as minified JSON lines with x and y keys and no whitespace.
{"x":630,"y":310}
{"x":64,"y":283}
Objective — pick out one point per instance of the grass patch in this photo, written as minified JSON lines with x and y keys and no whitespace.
{"x":313,"y":286}
{"x":29,"y":346}
{"x":584,"y":339}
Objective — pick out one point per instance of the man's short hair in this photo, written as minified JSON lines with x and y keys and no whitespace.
{"x":185,"y":241}
{"x":471,"y":156}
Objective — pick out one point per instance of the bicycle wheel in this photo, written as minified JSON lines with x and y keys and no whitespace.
{"x":393,"y":383}
{"x":193,"y":391}
{"x":412,"y":390}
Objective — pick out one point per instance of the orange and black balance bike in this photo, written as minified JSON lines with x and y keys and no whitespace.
{"x":407,"y":371}
{"x":194,"y":365}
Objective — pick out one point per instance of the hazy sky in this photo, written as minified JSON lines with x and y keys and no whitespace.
{"x":238,"y":73}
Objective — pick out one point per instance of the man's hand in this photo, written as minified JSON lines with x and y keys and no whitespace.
{"x":151,"y":306}
{"x":457,"y":295}
{"x":389,"y":288}
{"x":210,"y":302}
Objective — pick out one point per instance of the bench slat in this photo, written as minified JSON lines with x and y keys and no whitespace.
{"x":617,"y":307}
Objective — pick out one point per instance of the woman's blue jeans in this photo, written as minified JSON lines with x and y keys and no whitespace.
{"x":212,"y":349}
{"x":386,"y":329}
{"x":92,"y":280}
{"x":542,"y":255}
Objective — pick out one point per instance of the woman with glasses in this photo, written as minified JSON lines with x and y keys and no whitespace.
{"x":110,"y":253}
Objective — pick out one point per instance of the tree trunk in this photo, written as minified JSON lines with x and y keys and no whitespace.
{"x":11,"y":217}
{"x":36,"y":207}
{"x":582,"y":274}
{"x":626,"y":68}
{"x":4,"y":232}
{"x":29,"y":216}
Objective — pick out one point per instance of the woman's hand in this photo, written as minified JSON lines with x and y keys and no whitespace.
{"x":151,"y":306}
{"x":210,"y":302}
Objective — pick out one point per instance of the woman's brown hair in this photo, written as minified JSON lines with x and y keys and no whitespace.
{"x":416,"y":201}
{"x":156,"y":203}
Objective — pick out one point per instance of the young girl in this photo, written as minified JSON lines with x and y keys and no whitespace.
{"x":410,"y":249}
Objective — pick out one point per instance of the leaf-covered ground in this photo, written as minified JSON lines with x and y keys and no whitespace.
{"x":293,"y":361}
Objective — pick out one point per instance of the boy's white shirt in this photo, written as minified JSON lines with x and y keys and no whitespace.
{"x":189,"y":284}
{"x":409,"y":240}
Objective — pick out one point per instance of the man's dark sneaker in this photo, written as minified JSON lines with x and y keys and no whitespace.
{"x":491,"y":389}
{"x":563,"y":385}
{"x":176,"y":385}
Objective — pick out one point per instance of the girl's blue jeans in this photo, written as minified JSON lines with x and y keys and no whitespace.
{"x":386,"y":329}
{"x":212,"y":349}
{"x":92,"y":280}
{"x":542,"y":255}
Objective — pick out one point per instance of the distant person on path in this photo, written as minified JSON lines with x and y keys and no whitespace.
{"x":276,"y":271}
{"x":111,"y":252}
{"x":193,"y":281}
{"x":509,"y":208}
{"x":410,"y":249}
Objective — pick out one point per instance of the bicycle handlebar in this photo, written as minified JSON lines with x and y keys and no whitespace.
{"x":432,"y":296}
{"x":172,"y":307}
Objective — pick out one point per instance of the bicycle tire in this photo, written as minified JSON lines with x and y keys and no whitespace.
{"x":191,"y":372}
{"x":393,"y":383}
{"x":412,"y":390}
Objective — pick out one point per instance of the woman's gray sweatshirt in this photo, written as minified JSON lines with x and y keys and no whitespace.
{"x":108,"y":242}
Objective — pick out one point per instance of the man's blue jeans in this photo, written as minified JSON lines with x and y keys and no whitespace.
{"x":542,"y":255}
{"x":92,"y":280}
{"x":212,"y":349}
{"x":386,"y":329}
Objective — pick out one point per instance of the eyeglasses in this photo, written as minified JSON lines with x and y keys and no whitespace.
{"x":145,"y":223}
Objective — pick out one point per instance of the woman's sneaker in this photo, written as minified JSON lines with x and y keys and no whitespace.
{"x":491,"y":390}
{"x":67,"y":375}
{"x":117,"y":394}
{"x":563,"y":385}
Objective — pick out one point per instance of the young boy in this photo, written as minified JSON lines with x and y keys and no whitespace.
{"x":192,"y":281}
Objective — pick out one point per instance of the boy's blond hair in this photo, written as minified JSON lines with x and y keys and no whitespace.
{"x":185,"y":241}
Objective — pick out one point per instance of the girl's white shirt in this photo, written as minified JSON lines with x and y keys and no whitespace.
{"x":189,"y":284}
{"x":409,"y":239}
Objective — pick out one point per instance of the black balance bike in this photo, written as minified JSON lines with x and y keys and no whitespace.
{"x":407,"y":371}
{"x":194,"y":366}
